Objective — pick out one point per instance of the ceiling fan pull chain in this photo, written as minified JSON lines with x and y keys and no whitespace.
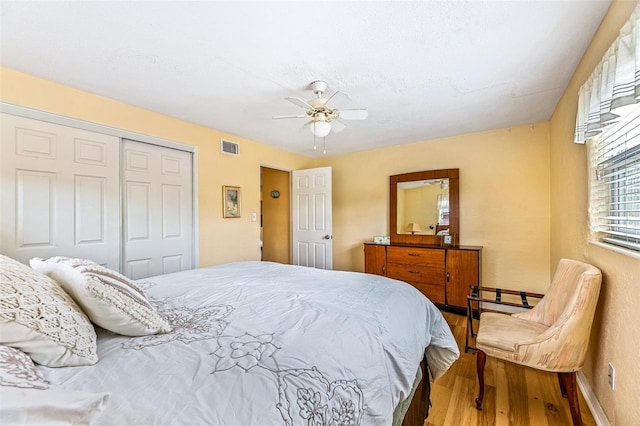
{"x":314,"y":139}
{"x":324,"y":143}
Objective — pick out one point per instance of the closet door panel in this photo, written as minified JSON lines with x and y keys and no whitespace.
{"x":33,"y":143}
{"x":138,"y":214}
{"x":159,"y":212}
{"x":89,"y":201}
{"x":172,"y":263}
{"x":34,"y":192}
{"x":90,"y":152}
{"x":171,"y":208}
{"x":59,"y":192}
{"x":139,"y":268}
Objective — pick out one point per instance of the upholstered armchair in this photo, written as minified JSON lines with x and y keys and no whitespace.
{"x":553,"y":336}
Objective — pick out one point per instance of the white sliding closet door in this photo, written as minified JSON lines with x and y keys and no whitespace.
{"x":158,"y":210}
{"x":59,"y":192}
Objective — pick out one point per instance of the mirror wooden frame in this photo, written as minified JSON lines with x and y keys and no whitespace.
{"x":454,"y":213}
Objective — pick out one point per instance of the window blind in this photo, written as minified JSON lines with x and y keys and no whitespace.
{"x":614,"y":84}
{"x":615,"y":190}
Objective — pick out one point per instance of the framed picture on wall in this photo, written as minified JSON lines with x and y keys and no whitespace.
{"x":230,"y":201}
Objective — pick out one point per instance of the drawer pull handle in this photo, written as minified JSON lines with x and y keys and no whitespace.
{"x":414,"y":272}
{"x":414,"y":254}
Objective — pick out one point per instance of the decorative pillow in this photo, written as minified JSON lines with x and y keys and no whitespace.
{"x":111,"y":300}
{"x":39,"y":318}
{"x":27,"y":398}
{"x":17,"y":369}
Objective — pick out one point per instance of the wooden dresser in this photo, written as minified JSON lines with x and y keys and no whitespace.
{"x":442,"y":273}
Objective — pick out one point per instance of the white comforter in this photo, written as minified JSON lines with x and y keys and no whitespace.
{"x":259,"y":343}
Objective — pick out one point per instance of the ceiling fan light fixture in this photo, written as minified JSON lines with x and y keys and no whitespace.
{"x":324,"y":119}
{"x":320,"y":128}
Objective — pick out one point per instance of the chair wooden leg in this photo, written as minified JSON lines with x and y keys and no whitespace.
{"x":481,"y":360}
{"x":563,"y":389}
{"x":568,"y":380}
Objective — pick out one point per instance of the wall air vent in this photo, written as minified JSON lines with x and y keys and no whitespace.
{"x":228,"y":147}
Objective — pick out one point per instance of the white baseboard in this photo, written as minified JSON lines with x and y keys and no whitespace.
{"x":594,"y":405}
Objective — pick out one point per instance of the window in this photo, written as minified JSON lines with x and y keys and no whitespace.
{"x":614,"y":204}
{"x":608,"y":118}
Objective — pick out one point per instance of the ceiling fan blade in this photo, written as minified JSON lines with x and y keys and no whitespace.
{"x":288,"y":116}
{"x":299,"y":102}
{"x":353,"y":114}
{"x":338,"y":99}
{"x":337,"y":126}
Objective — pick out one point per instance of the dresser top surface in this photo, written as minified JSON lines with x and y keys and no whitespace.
{"x":432,"y":246}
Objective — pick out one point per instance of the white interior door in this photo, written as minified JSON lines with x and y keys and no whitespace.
{"x":59,"y":192}
{"x":312,"y":239}
{"x":158,"y":210}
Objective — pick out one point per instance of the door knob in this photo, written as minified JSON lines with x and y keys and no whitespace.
{"x":326,"y":237}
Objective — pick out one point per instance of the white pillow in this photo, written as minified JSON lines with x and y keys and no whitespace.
{"x":17,"y":370}
{"x":28,"y":399}
{"x":39,"y":318}
{"x":110,"y":300}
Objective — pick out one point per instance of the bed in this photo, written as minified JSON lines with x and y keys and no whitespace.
{"x":251,"y":343}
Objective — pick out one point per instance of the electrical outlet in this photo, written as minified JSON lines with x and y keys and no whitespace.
{"x":612,"y":377}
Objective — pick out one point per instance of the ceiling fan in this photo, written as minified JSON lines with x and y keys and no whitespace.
{"x":325,"y":118}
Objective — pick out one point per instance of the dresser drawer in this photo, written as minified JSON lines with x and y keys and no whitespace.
{"x":435,"y":293}
{"x":428,"y":274}
{"x":416,"y":256}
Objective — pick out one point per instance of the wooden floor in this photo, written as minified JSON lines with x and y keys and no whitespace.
{"x":514,"y":395}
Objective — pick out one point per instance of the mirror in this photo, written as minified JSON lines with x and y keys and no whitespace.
{"x":424,"y":207}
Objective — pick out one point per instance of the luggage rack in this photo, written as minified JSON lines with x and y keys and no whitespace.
{"x":495,"y":304}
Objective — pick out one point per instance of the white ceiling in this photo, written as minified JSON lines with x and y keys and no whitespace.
{"x":424,"y":69}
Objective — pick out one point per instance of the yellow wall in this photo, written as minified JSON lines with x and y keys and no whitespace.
{"x":221,"y":240}
{"x":616,"y":335}
{"x":504,"y":199}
